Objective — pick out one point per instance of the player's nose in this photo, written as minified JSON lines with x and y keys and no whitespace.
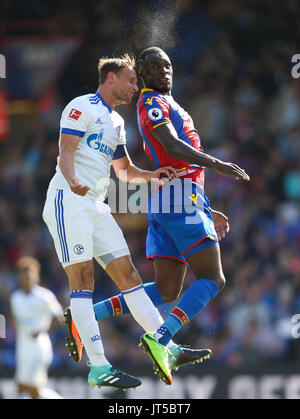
{"x":165,"y":72}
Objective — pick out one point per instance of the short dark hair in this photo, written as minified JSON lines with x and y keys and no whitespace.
{"x":145,"y":53}
{"x":105,"y":65}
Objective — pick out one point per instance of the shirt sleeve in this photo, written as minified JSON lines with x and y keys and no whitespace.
{"x":74,"y":119}
{"x":122,"y":134}
{"x":154,"y":112}
{"x":120,"y":152}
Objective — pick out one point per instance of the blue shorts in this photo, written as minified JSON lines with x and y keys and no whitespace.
{"x":180,"y":221}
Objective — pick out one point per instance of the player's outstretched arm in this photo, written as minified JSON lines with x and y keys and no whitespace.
{"x":178,"y":149}
{"x":128,"y":172}
{"x":68,"y":145}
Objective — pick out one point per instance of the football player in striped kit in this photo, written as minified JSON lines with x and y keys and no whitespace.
{"x":181,"y":231}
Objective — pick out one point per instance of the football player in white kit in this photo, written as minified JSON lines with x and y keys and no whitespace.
{"x":92,"y":138}
{"x":35,"y":310}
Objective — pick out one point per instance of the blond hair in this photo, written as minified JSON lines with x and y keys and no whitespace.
{"x":105,"y":65}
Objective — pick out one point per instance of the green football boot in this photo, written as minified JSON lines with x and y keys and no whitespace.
{"x":159,"y":355}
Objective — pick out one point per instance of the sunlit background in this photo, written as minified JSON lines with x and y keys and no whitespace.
{"x":233,"y":73}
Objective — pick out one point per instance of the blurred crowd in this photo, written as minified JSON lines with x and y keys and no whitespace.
{"x":232,"y":73}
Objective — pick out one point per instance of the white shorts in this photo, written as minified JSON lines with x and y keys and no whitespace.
{"x":82,"y":228}
{"x":32,"y":364}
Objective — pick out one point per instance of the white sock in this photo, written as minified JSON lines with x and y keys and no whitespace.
{"x":84,"y":318}
{"x":142,"y":308}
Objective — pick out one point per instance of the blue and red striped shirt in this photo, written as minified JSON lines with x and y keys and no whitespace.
{"x":154,"y":109}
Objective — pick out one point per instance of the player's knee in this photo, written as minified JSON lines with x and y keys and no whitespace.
{"x":168,"y":293}
{"x":130,"y":279}
{"x":123,"y":273}
{"x":220,"y":281}
{"x":170,"y":296}
{"x":134,"y":279}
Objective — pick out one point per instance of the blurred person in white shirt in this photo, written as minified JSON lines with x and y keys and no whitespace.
{"x":35,"y":311}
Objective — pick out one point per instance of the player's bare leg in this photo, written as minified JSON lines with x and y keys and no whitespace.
{"x":169,"y":277}
{"x":81,"y":280}
{"x":140,"y":305}
{"x":126,"y":277}
{"x":207,"y":267}
{"x":124,"y":274}
{"x":32,"y":391}
{"x":81,"y":275}
{"x":207,"y":264}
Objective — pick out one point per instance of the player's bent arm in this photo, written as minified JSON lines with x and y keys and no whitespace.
{"x":68,"y":145}
{"x":178,"y":149}
{"x":128,"y":172}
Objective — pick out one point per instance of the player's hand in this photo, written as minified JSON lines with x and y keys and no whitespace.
{"x":221,"y":223}
{"x":231,"y":170}
{"x":164,"y":172}
{"x":77,"y":188}
{"x":35,"y":335}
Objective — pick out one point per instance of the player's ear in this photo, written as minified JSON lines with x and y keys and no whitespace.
{"x":111,"y":76}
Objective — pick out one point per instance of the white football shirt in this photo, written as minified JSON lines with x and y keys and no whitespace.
{"x":33,"y":312}
{"x":101,"y":130}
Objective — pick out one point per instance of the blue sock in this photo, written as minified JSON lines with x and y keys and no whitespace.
{"x":193,"y":300}
{"x":116,"y":305}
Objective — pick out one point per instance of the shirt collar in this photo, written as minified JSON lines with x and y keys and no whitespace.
{"x":145,"y":89}
{"x":103,"y":102}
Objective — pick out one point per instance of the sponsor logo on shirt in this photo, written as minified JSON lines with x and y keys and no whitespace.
{"x":94,"y":142}
{"x":155,"y":114}
{"x":149,"y":101}
{"x":74,"y":114}
{"x":194,"y":198}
